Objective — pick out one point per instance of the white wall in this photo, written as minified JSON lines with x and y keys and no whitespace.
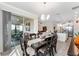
{"x":49,"y":26}
{"x":1,"y":33}
{"x":76,"y":26}
{"x":35,"y":25}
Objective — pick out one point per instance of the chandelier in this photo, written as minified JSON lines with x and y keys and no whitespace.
{"x":45,"y":17}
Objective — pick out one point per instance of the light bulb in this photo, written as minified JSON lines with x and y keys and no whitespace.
{"x":42,"y":17}
{"x":48,"y":16}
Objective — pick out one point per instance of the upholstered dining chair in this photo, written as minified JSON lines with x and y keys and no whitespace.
{"x":32,"y":36}
{"x":54,"y":42}
{"x":46,"y":50}
{"x":43,"y":51}
{"x":49,"y":45}
{"x":22,"y":46}
{"x":25,"y":46}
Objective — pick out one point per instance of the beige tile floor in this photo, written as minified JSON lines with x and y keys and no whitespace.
{"x":62,"y":47}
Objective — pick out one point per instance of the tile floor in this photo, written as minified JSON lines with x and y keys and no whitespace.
{"x":62,"y":47}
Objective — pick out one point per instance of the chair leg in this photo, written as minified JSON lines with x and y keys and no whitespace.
{"x":52,"y":52}
{"x":23,"y":54}
{"x":49,"y":52}
{"x":37,"y":54}
{"x":26,"y":53}
{"x":55,"y":49}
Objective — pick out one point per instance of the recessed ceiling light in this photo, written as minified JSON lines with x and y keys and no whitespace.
{"x":45,"y":17}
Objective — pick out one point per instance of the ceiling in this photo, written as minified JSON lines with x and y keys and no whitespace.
{"x":59,"y":11}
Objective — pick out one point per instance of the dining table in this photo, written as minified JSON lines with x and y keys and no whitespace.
{"x":30,"y":42}
{"x":37,"y":40}
{"x":38,"y":43}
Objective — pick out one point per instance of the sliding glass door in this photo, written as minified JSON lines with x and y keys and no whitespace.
{"x":16,"y":30}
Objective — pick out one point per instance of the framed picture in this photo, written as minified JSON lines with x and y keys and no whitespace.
{"x":27,"y":26}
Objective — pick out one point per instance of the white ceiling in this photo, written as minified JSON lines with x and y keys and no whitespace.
{"x":59,"y":11}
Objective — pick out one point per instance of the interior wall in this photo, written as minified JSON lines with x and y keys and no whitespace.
{"x":6,"y":17}
{"x":36,"y":25}
{"x":1,"y":32}
{"x":49,"y":26}
{"x":76,"y":26}
{"x":5,"y":31}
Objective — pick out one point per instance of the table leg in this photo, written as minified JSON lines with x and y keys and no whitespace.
{"x":36,"y":50}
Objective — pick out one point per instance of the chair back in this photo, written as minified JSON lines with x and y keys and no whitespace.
{"x":48,"y":42}
{"x":54,"y":39}
{"x":33,"y":36}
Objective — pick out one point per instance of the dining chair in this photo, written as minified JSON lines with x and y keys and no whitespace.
{"x":54,"y":42}
{"x":31,"y":51}
{"x":25,"y":46}
{"x":49,"y":45}
{"x":27,"y":36}
{"x":43,"y":51}
{"x":46,"y":50}
{"x":23,"y":43}
{"x":33,"y":36}
{"x":22,"y":46}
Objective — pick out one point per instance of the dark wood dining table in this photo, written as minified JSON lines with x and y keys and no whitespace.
{"x":41,"y":44}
